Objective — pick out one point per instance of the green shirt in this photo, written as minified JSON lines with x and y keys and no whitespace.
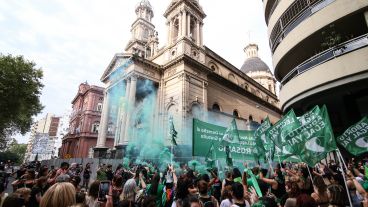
{"x":101,"y":175}
{"x":158,"y":195}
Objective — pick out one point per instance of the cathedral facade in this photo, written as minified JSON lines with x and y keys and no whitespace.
{"x":147,"y":85}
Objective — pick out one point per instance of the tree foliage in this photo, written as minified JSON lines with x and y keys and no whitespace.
{"x":20,"y":90}
{"x":15,"y":152}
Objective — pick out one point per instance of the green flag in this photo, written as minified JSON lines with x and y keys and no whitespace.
{"x":263,"y":143}
{"x":355,"y":138}
{"x":231,"y":134}
{"x":229,"y":160}
{"x":254,"y":182}
{"x":285,"y":125}
{"x":173,"y":133}
{"x":309,"y":116}
{"x":285,"y":152}
{"x":211,"y":157}
{"x":312,"y":141}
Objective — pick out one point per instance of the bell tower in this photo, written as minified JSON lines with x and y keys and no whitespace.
{"x":142,"y":31}
{"x":185,"y":19}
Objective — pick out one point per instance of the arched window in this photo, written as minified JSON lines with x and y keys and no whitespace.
{"x":95,"y":127}
{"x":216,"y":107}
{"x":110,"y":128}
{"x":175,"y":33}
{"x":250,"y":118}
{"x":146,"y":33}
{"x":235,"y":113}
{"x":193,"y":29}
{"x":99,"y":107}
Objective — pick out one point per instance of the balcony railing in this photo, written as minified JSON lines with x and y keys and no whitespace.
{"x":329,"y":54}
{"x":269,"y":14}
{"x":292,"y":17}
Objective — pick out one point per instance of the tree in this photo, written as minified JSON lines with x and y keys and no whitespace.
{"x":20,"y":90}
{"x":15,"y":152}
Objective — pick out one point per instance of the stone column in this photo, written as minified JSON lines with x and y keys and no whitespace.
{"x":101,"y":149}
{"x":205,"y":105}
{"x":201,"y":34}
{"x":102,"y":132}
{"x":122,"y":139}
{"x":168,"y":32}
{"x":131,"y":102}
{"x":198,"y":33}
{"x":184,"y":25}
{"x":188,"y":25}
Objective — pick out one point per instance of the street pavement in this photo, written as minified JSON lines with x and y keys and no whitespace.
{"x":9,"y":189}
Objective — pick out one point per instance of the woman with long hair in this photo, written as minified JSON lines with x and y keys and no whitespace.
{"x":155,"y":189}
{"x":86,"y":175}
{"x":129,"y":191}
{"x":227,"y":182}
{"x":117,"y":188}
{"x":293,"y":191}
{"x":92,"y":197}
{"x":320,"y":192}
{"x":59,"y":195}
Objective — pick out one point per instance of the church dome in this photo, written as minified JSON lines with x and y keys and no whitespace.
{"x":254,"y":64}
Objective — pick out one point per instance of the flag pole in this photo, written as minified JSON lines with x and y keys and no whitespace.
{"x":172,"y":153}
{"x":342,"y":159}
{"x":270,"y":162}
{"x":278,"y":156}
{"x":343,"y":174}
{"x":310,"y":174}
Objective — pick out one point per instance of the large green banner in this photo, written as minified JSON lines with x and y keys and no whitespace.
{"x":355,"y":138}
{"x":205,"y":135}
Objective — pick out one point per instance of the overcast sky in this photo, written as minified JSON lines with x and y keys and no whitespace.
{"x":73,"y":41}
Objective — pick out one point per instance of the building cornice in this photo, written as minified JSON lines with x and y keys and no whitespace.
{"x":240,"y":90}
{"x":174,"y":5}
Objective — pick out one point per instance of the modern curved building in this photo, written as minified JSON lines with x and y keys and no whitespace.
{"x":320,"y":55}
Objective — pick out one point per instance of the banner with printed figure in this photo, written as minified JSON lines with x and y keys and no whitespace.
{"x":355,"y":138}
{"x":206,"y":135}
{"x":231,"y":134}
{"x":285,"y":125}
{"x":312,"y":141}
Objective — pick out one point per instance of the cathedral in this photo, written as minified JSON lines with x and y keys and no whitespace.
{"x":147,"y":85}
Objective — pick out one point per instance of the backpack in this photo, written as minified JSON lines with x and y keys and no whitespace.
{"x":208,"y":202}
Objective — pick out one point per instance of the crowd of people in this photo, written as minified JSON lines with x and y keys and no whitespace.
{"x":285,"y":185}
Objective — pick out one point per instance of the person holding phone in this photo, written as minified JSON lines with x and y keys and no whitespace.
{"x":103,"y":191}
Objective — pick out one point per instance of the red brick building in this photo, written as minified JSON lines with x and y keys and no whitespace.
{"x":84,"y":123}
